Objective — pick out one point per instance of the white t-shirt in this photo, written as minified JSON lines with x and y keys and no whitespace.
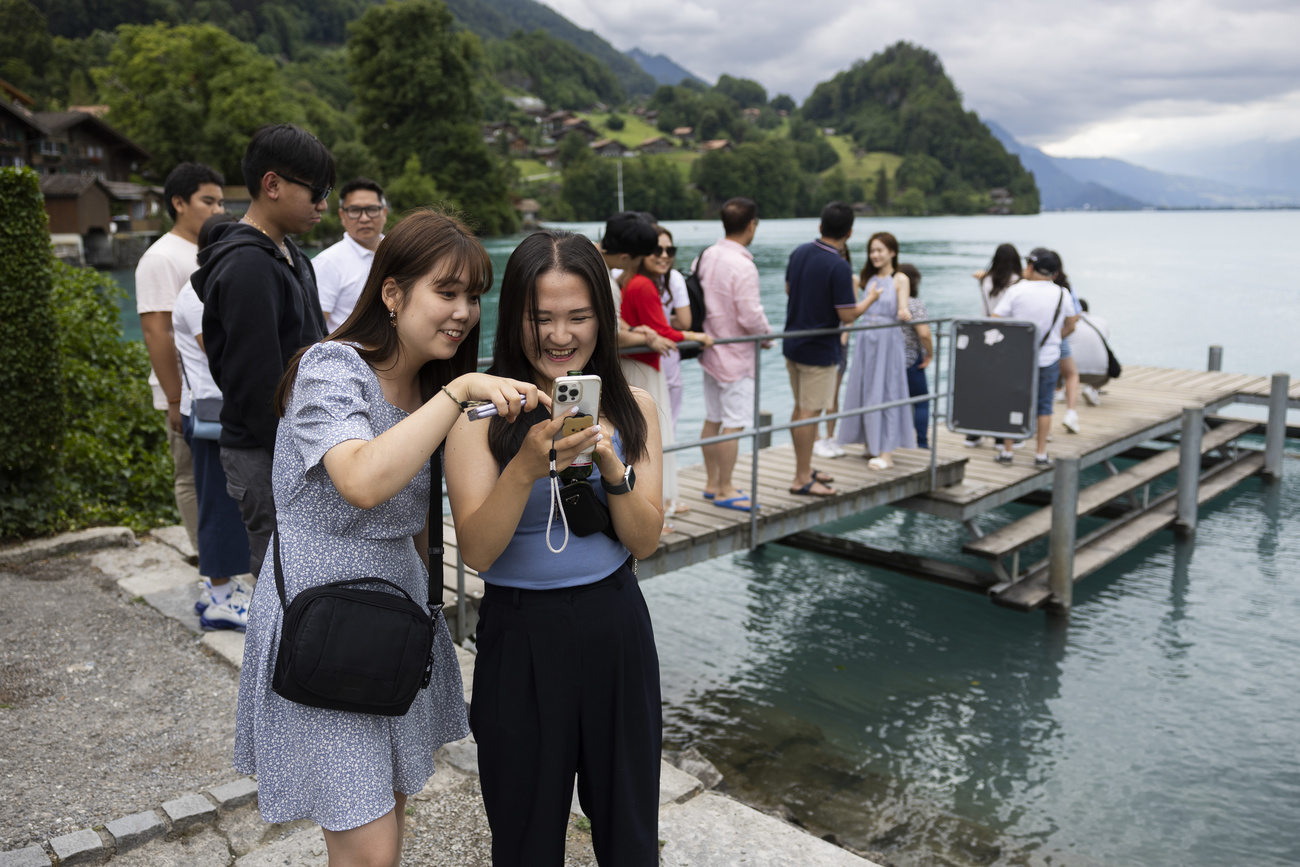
{"x":187,"y":324}
{"x":1037,"y":301}
{"x":1089,"y":351}
{"x":162,"y":271}
{"x":986,"y":286}
{"x":677,"y":292}
{"x":341,"y":272}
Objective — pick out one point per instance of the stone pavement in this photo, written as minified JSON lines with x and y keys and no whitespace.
{"x":219,"y":826}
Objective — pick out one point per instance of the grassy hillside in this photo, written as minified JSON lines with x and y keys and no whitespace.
{"x":861,"y":168}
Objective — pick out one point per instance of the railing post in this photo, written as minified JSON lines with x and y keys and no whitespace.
{"x":1275,"y":437}
{"x":462,"y":614}
{"x":753,"y":462}
{"x":1189,"y":470}
{"x":1216,"y":358}
{"x":1065,"y":510}
{"x":934,"y":411}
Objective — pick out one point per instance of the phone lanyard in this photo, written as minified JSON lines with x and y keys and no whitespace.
{"x":555,"y":503}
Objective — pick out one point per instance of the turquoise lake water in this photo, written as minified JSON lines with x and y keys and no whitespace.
{"x":1159,"y":726}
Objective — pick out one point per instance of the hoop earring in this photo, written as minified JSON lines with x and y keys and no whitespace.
{"x":392,"y":317}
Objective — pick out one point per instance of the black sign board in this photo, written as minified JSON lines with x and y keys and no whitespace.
{"x":994,"y":378}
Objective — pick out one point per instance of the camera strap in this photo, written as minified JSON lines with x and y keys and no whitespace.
{"x":556,"y":505}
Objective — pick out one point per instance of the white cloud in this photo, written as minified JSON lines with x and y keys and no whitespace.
{"x":1105,"y":74}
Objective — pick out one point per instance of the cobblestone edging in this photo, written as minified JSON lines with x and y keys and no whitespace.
{"x":67,"y":543}
{"x":172,"y":818}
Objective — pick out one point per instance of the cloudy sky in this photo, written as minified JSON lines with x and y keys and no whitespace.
{"x":1139,"y":79}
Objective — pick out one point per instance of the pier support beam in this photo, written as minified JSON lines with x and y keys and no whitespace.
{"x":1216,"y":358}
{"x":1189,"y":469}
{"x":1065,"y":510}
{"x":1275,"y":437}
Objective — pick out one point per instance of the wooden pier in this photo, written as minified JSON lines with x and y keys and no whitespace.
{"x":1140,"y":414}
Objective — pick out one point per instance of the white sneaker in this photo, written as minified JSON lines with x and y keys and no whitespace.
{"x":205,"y":595}
{"x":231,"y":614}
{"x":1091,"y":395}
{"x":828,"y":448}
{"x":972,"y":441}
{"x":1071,"y":421}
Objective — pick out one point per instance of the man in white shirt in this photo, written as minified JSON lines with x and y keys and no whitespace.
{"x":341,"y":270}
{"x":192,"y":193}
{"x":1038,"y":300}
{"x":1089,"y":342}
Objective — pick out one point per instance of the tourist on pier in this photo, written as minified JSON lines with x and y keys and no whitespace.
{"x":1038,"y":300}
{"x":919,"y":346}
{"x":819,"y":286}
{"x":677,"y":310}
{"x":342,"y":269}
{"x":567,"y":678}
{"x":643,"y":305}
{"x":1090,"y":345}
{"x":878,"y":371}
{"x":629,"y":237}
{"x":192,"y":193}
{"x":260,"y":306}
{"x":362,"y":414}
{"x":828,"y":446}
{"x":731,"y":297}
{"x":1003,"y":271}
{"x":223,"y":541}
{"x":1069,"y":370}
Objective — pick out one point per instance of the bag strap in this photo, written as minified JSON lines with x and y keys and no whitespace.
{"x":435,"y":551}
{"x":1059,"y":302}
{"x":1099,"y":334}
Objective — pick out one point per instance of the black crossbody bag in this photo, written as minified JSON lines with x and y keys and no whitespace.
{"x":346,"y":647}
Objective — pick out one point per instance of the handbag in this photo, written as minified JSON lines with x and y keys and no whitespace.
{"x":346,"y":647}
{"x":1113,"y":368}
{"x":205,"y":418}
{"x":695,"y":292}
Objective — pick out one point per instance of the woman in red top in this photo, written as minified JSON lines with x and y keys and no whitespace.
{"x":642,"y":306}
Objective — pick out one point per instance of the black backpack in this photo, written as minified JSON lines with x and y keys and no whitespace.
{"x":695,"y":292}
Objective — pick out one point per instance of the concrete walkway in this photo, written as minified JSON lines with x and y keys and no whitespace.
{"x":446,"y":824}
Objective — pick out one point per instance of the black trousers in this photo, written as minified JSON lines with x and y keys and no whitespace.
{"x":567,"y":681}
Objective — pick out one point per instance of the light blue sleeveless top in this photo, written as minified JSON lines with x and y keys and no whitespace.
{"x":527,"y":562}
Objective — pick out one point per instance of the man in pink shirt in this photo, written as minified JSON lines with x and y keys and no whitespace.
{"x":730,"y":281}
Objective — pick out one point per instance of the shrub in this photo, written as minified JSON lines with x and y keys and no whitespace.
{"x":615,"y":123}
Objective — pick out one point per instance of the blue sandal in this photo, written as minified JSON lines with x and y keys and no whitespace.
{"x":731,"y":504}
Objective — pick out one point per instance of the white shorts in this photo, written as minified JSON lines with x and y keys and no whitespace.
{"x":731,"y":403}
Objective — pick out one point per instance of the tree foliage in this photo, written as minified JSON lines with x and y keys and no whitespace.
{"x":413,"y":77}
{"x":901,"y":101}
{"x":746,"y":92}
{"x":192,"y":93}
{"x":651,"y":183}
{"x":25,"y":43}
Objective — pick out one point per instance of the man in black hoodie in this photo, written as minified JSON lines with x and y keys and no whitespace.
{"x":260,"y":306}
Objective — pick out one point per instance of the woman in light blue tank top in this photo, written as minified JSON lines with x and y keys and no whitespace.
{"x":567,"y":679}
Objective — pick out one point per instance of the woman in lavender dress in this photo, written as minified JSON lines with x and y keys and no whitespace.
{"x":878,"y":372}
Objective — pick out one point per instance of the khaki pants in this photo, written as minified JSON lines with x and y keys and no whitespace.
{"x":187,"y":498}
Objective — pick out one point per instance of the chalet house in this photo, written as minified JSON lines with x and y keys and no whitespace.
{"x":685,"y":133}
{"x":608,"y":147}
{"x":752,"y":114}
{"x":554,"y":122}
{"x":577,"y":126}
{"x":656,"y":145}
{"x":80,"y":143}
{"x":548,"y":156}
{"x":528,"y":212}
{"x":18,"y":129}
{"x":81,"y":206}
{"x":652,"y":115}
{"x":137,"y":208}
{"x":519,"y":146}
{"x":492,"y":131}
{"x":717,"y":144}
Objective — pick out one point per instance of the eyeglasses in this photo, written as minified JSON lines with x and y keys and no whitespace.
{"x":354,"y":212}
{"x":318,"y":194}
{"x":664,"y":251}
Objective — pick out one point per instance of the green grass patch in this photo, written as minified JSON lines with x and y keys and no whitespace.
{"x":861,"y":168}
{"x":529,"y":168}
{"x":635,"y":131}
{"x":683,"y":158}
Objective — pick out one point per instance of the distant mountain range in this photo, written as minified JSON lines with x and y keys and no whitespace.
{"x":662,"y":68}
{"x":1105,"y":184}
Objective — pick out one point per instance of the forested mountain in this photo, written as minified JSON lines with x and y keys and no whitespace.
{"x":901,"y":101}
{"x":544,"y":65}
{"x":498,"y":19}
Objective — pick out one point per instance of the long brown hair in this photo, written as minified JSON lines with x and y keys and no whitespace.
{"x":660,"y":280}
{"x":424,"y":240}
{"x":564,"y":253}
{"x":891,"y":244}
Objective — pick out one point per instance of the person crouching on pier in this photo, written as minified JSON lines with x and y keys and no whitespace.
{"x":567,"y":676}
{"x":1038,"y":300}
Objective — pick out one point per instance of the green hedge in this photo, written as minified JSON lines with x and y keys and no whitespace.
{"x":82,"y":442}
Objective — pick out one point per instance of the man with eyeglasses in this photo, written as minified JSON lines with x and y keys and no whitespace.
{"x":260,"y":306}
{"x":341,"y":270}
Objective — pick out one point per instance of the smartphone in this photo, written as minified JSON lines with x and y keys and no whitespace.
{"x":581,"y":391}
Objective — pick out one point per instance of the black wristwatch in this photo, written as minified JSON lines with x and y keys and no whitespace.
{"x":629,"y":481}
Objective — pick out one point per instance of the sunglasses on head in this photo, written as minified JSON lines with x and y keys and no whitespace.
{"x":318,"y":194}
{"x":664,"y":251}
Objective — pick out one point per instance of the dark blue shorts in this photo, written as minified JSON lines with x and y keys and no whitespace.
{"x":1047,"y":377}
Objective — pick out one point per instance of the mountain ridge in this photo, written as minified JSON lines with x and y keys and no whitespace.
{"x":663,"y":68}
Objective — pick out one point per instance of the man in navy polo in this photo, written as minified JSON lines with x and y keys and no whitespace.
{"x":820,"y":284}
